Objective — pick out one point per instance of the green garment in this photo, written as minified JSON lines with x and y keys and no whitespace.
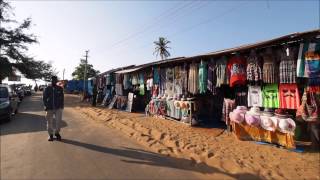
{"x":270,"y":96}
{"x":141,"y":88}
{"x":203,"y":73}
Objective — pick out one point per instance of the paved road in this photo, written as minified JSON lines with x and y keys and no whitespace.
{"x":89,"y":151}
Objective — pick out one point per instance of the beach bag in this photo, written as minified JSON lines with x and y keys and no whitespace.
{"x":309,"y":110}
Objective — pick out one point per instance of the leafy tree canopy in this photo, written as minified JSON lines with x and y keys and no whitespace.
{"x":78,"y":73}
{"x":13,"y":47}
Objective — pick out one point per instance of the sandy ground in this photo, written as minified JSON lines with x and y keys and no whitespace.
{"x":215,"y":147}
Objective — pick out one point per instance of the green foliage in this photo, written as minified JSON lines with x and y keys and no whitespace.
{"x":13,"y":47}
{"x":162,"y":48}
{"x":78,"y":73}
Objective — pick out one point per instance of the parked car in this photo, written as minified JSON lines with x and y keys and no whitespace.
{"x":8,"y":102}
{"x":27,"y":91}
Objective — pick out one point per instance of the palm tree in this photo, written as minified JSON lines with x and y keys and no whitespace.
{"x":161,"y":48}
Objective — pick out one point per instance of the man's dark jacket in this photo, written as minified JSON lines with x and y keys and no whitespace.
{"x":53,"y":98}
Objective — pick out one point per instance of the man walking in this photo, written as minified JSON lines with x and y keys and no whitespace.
{"x":53,"y":100}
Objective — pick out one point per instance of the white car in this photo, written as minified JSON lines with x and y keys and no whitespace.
{"x":8,"y":102}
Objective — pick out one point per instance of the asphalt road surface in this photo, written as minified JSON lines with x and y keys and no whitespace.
{"x":88,"y":151}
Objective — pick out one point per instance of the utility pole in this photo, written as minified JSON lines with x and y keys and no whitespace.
{"x":63,"y":74}
{"x":85,"y":62}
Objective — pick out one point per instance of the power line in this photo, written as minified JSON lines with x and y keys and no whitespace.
{"x":172,"y":20}
{"x":167,"y":13}
{"x":202,"y":22}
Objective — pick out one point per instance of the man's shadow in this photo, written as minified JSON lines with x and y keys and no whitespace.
{"x":138,"y":156}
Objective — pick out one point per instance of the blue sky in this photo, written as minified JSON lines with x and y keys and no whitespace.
{"x":120,"y":33}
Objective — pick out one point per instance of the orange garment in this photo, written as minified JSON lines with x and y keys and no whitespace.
{"x":289,"y":96}
{"x":237,"y":71}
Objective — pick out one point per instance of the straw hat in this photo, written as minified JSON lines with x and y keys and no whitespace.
{"x":268,"y":122}
{"x":286,"y":125}
{"x":252,"y":117}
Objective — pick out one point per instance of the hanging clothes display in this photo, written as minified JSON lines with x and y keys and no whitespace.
{"x":289,"y":96}
{"x":288,"y":66}
{"x":126,"y":82}
{"x":135,"y":79}
{"x":162,"y":80}
{"x":228,"y":106}
{"x":119,"y":90}
{"x":141,"y":89}
{"x":149,"y":84}
{"x":177,"y":82}
{"x":212,"y":78}
{"x":193,"y":79}
{"x":184,"y":78}
{"x":270,"y":96}
{"x":141,"y":78}
{"x":241,"y":95}
{"x":203,"y":77}
{"x":308,"y":64}
{"x":270,"y":67}
{"x":254,"y":96}
{"x":254,"y":70}
{"x":156,"y":75}
{"x":169,"y":81}
{"x":108,"y":79}
{"x":237,"y":70}
{"x":221,"y":72}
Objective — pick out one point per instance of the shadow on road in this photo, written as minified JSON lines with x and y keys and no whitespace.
{"x":153,"y":159}
{"x":24,"y":123}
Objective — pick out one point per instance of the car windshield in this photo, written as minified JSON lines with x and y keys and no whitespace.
{"x":3,"y":92}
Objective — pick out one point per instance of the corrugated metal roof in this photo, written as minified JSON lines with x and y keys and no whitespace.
{"x":128,"y":70}
{"x":259,"y":45}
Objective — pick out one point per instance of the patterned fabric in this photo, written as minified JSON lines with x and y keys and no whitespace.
{"x":289,"y":96}
{"x":288,"y":70}
{"x":177,"y":82}
{"x":270,"y":96}
{"x":254,"y":96}
{"x":119,"y":90}
{"x":169,"y":81}
{"x":184,"y":79}
{"x":203,"y":77}
{"x":241,"y":95}
{"x":193,"y":79}
{"x":308,"y":64}
{"x":156,"y":76}
{"x":254,"y":72}
{"x":126,"y":82}
{"x":212,"y":78}
{"x":228,"y":106}
{"x":237,"y":70}
{"x":162,"y":80}
{"x":221,"y":72}
{"x":270,"y":69}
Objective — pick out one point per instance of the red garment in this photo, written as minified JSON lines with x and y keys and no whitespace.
{"x":289,"y":96}
{"x":237,"y":71}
